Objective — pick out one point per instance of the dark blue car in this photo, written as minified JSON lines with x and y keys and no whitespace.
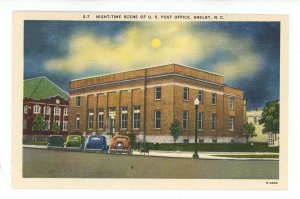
{"x":96,"y":143}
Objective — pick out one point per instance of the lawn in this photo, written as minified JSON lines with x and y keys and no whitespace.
{"x":249,"y":156}
{"x":215,"y":147}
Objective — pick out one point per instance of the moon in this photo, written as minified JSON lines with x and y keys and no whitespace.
{"x":155,"y":43}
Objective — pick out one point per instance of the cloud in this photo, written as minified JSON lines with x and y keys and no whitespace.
{"x":179,"y":42}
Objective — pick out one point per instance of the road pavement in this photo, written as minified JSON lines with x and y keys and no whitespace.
{"x":43,"y":163}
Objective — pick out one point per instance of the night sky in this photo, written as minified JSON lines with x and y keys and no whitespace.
{"x":246,"y":53}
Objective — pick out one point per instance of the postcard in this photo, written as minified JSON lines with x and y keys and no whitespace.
{"x":150,"y":101}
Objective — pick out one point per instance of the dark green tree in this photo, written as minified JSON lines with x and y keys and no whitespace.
{"x":175,"y":129}
{"x":39,"y":123}
{"x":55,"y":128}
{"x":249,"y":131}
{"x":270,"y":117}
{"x":133,"y":140}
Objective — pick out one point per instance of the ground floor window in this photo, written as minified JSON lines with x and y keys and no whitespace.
{"x":200,"y":121}
{"x":91,"y":119}
{"x":231,"y":123}
{"x":157,"y":119}
{"x":213,"y":121}
{"x":185,"y":120}
{"x":100,"y":118}
{"x":136,"y":117}
{"x":65,"y":125}
{"x":124,"y":117}
{"x":77,"y":122}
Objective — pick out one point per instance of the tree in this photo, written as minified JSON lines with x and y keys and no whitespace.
{"x":175,"y":129}
{"x":249,"y":131}
{"x":55,"y":127}
{"x":270,"y":117}
{"x":39,"y":123}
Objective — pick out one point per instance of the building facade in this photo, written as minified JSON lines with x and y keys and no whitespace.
{"x":43,"y":98}
{"x":146,"y":101}
{"x":253,"y":117}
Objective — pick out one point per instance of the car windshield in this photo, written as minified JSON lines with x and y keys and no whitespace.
{"x":73,"y":138}
{"x":121,"y":139}
{"x":95,"y":138}
{"x":55,"y":138}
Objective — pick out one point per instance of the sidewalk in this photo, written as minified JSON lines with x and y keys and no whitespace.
{"x":189,"y":154}
{"x":205,"y":155}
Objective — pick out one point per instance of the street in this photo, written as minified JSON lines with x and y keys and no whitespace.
{"x":43,"y":163}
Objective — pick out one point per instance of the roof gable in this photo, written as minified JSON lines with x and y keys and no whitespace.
{"x":42,"y":88}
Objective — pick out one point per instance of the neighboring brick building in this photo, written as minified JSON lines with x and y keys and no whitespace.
{"x":146,"y":101}
{"x":43,"y":97}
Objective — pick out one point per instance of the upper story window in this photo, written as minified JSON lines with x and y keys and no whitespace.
{"x":200,"y":96}
{"x":47,"y":110}
{"x":213,"y":98}
{"x":157,"y":93}
{"x":231,"y":103}
{"x":66,"y":111}
{"x":78,"y":101}
{"x":56,"y":111}
{"x":186,"y":94}
{"x":36,"y":109}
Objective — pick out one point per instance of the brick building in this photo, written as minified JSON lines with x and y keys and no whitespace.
{"x":146,"y":102}
{"x":42,"y":97}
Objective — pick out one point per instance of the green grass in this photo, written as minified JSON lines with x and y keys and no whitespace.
{"x":249,"y":156}
{"x":216,"y":147}
{"x":35,"y":143}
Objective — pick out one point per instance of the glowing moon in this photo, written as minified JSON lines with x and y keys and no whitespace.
{"x":155,"y":43}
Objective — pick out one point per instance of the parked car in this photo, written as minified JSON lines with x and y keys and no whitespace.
{"x":120,"y":144}
{"x":55,"y":141}
{"x":75,"y":142}
{"x":96,"y":143}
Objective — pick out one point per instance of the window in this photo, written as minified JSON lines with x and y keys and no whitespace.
{"x":65,"y":125}
{"x":47,"y":125}
{"x":25,"y":109}
{"x":77,"y":122}
{"x":214,"y":98}
{"x":124,"y":117}
{"x":231,"y":123}
{"x":157,"y":93}
{"x":90,"y":118}
{"x":157,"y":119}
{"x":186,"y":94}
{"x":78,"y":101}
{"x":66,"y":111}
{"x":36,"y":109}
{"x":231,"y":103}
{"x":56,"y":111}
{"x":25,"y":124}
{"x":200,"y":121}
{"x":214,"y":140}
{"x":200,"y":96}
{"x":185,"y":120}
{"x":136,"y":117}
{"x":255,"y":120}
{"x":47,"y":110}
{"x":100,"y":118}
{"x":213,"y":121}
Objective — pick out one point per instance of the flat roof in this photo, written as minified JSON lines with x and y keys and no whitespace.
{"x":145,"y":69}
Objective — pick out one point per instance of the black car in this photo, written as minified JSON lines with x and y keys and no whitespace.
{"x":55,"y":141}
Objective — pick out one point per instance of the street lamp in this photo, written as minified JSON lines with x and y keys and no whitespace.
{"x":196,"y":103}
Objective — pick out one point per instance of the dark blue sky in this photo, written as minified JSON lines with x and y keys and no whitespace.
{"x":246,"y":53}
